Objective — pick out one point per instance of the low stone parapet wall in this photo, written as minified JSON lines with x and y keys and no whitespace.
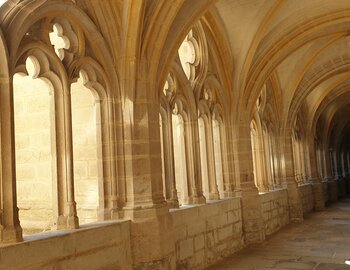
{"x":205,"y":234}
{"x":95,"y":247}
{"x":275,"y":210}
{"x":307,"y":199}
{"x":326,"y":192}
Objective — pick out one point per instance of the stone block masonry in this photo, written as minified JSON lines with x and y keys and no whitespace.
{"x":275,"y":210}
{"x":307,"y":198}
{"x":94,"y":247}
{"x":207,"y":233}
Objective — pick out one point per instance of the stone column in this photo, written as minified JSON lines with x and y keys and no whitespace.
{"x":314,"y":178}
{"x":66,"y":207}
{"x":145,"y":206}
{"x":109,"y":202}
{"x":227,"y":161}
{"x":336,"y":165}
{"x":253,"y":225}
{"x":194,"y":168}
{"x":277,"y":164}
{"x":288,"y":178}
{"x":213,"y":187}
{"x":303,"y":161}
{"x":329,"y":177}
{"x":168,"y":148}
{"x":10,"y":229}
{"x":343,"y":165}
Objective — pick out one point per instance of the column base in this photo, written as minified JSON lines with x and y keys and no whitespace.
{"x":213,"y":196}
{"x":108,"y":214}
{"x":67,"y":223}
{"x":197,"y":199}
{"x":11,"y":234}
{"x":173,"y":203}
{"x":229,"y":191}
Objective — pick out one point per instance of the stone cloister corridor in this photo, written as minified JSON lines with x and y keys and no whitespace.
{"x":172,"y":134}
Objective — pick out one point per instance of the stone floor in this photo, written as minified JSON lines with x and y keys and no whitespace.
{"x":321,"y":242}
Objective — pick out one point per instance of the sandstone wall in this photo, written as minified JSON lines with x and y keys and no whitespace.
{"x":104,"y":247}
{"x":307,"y":198}
{"x":275,"y":210}
{"x":35,"y":157}
{"x":86,"y":152}
{"x":205,"y":234}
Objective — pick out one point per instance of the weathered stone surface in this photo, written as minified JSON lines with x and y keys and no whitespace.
{"x":307,"y":198}
{"x":205,"y":245}
{"x":106,"y":246}
{"x":300,"y":246}
{"x":275,"y":210}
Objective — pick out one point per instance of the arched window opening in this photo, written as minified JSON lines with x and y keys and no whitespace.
{"x":169,"y":187}
{"x":303,"y":162}
{"x":319,"y":161}
{"x":268,"y":158}
{"x":257,"y":152}
{"x":180,"y":158}
{"x":335,"y":164}
{"x":324,"y":164}
{"x":35,"y":149}
{"x":273,"y":159}
{"x":330,"y":155}
{"x":297,"y":159}
{"x":253,"y":142}
{"x":87,"y":153}
{"x":343,"y":164}
{"x":218,"y":156}
{"x":204,"y":157}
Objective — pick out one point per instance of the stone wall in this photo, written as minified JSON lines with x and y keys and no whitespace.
{"x":103,"y":247}
{"x":86,"y":152}
{"x":332,"y":191}
{"x":205,"y":234}
{"x":307,"y":198}
{"x":35,"y":157}
{"x":325,"y":191}
{"x":275,"y":210}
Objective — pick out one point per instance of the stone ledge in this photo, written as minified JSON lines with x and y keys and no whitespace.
{"x":64,"y":248}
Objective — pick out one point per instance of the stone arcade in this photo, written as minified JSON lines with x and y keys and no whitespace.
{"x":167,"y":134}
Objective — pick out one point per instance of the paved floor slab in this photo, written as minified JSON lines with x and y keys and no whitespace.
{"x":321,"y":242}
